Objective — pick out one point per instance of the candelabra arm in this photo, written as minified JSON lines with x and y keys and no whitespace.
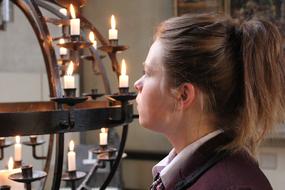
{"x":71,"y":119}
{"x":103,"y":72}
{"x":48,"y":158}
{"x":28,"y":186}
{"x":58,"y":161}
{"x":35,"y":154}
{"x":84,"y":184}
{"x":118,"y":158}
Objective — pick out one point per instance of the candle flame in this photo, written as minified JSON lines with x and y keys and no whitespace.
{"x":72,"y":11}
{"x":103,"y":130}
{"x":61,"y":41}
{"x":63,"y":11}
{"x":10,"y":164}
{"x":71,"y":145}
{"x":17,"y":139}
{"x":123,"y":67}
{"x":91,"y":36}
{"x":70,"y":68}
{"x":113,"y":22}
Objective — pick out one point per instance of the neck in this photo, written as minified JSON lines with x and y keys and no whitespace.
{"x":186,"y":133}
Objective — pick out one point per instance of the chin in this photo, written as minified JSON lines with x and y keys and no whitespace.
{"x":148,"y":125}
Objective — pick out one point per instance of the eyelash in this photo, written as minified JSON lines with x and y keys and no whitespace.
{"x":145,"y":74}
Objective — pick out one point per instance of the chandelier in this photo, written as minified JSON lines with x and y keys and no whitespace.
{"x":65,"y":112}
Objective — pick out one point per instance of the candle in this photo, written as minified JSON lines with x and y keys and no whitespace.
{"x":123,"y":78}
{"x":4,"y":174}
{"x":18,"y":149}
{"x":74,"y":23}
{"x":68,"y":79}
{"x":71,"y":157}
{"x":92,"y":40}
{"x":103,"y":137}
{"x":62,"y":50}
{"x":113,"y":32}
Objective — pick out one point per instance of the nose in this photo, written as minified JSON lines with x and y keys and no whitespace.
{"x":138,"y":85}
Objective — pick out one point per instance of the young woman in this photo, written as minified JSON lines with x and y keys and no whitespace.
{"x":214,"y":88}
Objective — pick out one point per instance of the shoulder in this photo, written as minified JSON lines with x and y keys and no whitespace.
{"x":237,"y":171}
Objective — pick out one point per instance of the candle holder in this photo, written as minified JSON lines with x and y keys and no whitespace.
{"x":105,"y":153}
{"x":27,"y":176}
{"x":27,"y":171}
{"x":2,"y":141}
{"x":114,"y":42}
{"x":4,"y":144}
{"x":91,"y":58}
{"x":33,"y":139}
{"x":70,"y":92}
{"x":73,"y":176}
{"x":75,"y":45}
{"x":17,"y":164}
{"x":70,"y":101}
{"x":123,"y":96}
{"x":94,"y":94}
{"x":124,"y":90}
{"x":113,"y":48}
{"x":34,"y":142}
{"x":75,"y":38}
{"x":64,"y":36}
{"x":5,"y":187}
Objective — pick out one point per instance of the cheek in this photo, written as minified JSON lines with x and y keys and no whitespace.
{"x":154,"y":107}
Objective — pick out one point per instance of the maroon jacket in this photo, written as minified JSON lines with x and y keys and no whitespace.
{"x":237,"y":171}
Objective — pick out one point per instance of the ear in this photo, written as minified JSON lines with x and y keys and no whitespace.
{"x":186,"y":95}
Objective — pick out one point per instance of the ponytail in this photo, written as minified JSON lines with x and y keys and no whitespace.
{"x":264,"y":82}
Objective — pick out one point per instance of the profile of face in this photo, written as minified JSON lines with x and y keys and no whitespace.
{"x":155,"y":103}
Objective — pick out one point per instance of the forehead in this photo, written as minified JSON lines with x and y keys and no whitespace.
{"x":154,"y":57}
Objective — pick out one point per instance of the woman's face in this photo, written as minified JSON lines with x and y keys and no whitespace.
{"x":155,"y":104}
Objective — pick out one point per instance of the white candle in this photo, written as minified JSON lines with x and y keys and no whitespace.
{"x":113,"y":32}
{"x":4,"y":174}
{"x":123,"y":78}
{"x":71,"y":157}
{"x":18,"y":149}
{"x":62,"y":50}
{"x":103,"y":137}
{"x":92,"y":39}
{"x":68,"y":79}
{"x":74,"y":23}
